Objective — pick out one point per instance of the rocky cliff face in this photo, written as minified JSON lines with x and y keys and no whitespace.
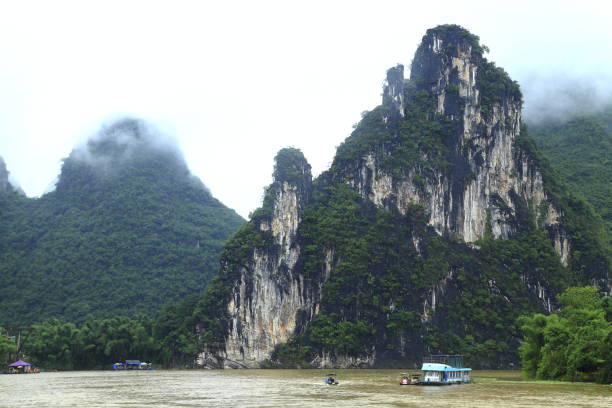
{"x":433,"y":230}
{"x":270,"y":298}
{"x":490,"y":179}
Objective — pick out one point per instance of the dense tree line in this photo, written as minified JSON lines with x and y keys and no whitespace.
{"x":168,"y":339}
{"x":7,"y":347}
{"x":573,"y":344}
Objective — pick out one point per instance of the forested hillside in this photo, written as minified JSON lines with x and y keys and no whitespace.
{"x":580,"y":150}
{"x":127,"y":229}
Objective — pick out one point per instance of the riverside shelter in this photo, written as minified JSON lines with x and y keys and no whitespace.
{"x":20,"y":367}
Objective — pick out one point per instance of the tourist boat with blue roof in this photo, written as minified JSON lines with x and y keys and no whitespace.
{"x":443,"y":369}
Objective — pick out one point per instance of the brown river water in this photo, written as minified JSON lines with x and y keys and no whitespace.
{"x":285,"y":388}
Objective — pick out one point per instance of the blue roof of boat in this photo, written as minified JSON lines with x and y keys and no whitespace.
{"x":441,"y":367}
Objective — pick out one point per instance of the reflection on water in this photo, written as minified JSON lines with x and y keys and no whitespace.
{"x":284,"y":388}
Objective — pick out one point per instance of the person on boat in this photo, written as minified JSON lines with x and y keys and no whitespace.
{"x":331,"y":379}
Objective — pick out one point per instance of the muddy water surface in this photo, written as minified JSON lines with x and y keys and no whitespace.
{"x":285,"y":388}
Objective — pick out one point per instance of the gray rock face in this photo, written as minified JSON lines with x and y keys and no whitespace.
{"x":490,"y":186}
{"x":330,"y":360}
{"x":270,"y":298}
{"x":393,"y":92}
{"x":502,"y":178}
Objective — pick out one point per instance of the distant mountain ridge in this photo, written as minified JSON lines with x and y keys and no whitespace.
{"x":127,"y":229}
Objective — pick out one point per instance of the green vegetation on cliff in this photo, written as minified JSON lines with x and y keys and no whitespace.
{"x":7,"y":347}
{"x":398,"y":287}
{"x":382,"y":284}
{"x":385,"y":281}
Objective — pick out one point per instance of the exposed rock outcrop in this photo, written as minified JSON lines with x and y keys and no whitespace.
{"x":490,"y":180}
{"x":270,"y":298}
{"x":388,"y":261}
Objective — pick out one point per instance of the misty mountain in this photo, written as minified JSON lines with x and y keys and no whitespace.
{"x":437,"y":225}
{"x":579,"y":148}
{"x":127,"y":229}
{"x":4,"y":175}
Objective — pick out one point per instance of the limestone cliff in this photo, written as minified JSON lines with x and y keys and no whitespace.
{"x":269,"y":298}
{"x":488,"y":179}
{"x":436,"y":226}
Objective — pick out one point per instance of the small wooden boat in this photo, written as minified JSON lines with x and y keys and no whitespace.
{"x":330,"y":379}
{"x":410,"y":379}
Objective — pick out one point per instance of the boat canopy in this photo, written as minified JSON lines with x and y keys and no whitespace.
{"x":441,"y":367}
{"x":20,"y":363}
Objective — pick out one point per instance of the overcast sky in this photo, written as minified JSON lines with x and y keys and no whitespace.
{"x":235,"y":81}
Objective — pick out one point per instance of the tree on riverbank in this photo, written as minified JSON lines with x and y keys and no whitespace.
{"x":95,"y":344}
{"x":7,"y":346}
{"x":573,"y":344}
{"x":165,"y":340}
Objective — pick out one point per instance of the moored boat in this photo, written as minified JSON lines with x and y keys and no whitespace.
{"x":445,"y":369}
{"x":410,"y":379}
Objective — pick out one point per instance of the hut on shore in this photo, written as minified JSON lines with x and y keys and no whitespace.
{"x":20,"y":367}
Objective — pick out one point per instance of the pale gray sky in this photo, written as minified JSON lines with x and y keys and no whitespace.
{"x":235,"y":81}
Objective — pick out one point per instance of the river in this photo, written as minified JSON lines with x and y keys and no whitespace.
{"x":285,"y":388}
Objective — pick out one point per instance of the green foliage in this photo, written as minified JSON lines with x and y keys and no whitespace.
{"x":125,"y":232}
{"x":210,"y":312}
{"x":291,"y":166}
{"x":369,"y":135}
{"x":480,"y":323}
{"x":242,"y":243}
{"x":579,"y":150}
{"x":590,"y":256}
{"x":95,"y":344}
{"x":416,"y":142}
{"x":169,"y":339}
{"x":341,"y":336}
{"x":7,"y":347}
{"x":453,"y":35}
{"x":380,"y":282}
{"x":174,"y":330}
{"x":573,"y":344}
{"x":293,"y":354}
{"x":496,"y":88}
